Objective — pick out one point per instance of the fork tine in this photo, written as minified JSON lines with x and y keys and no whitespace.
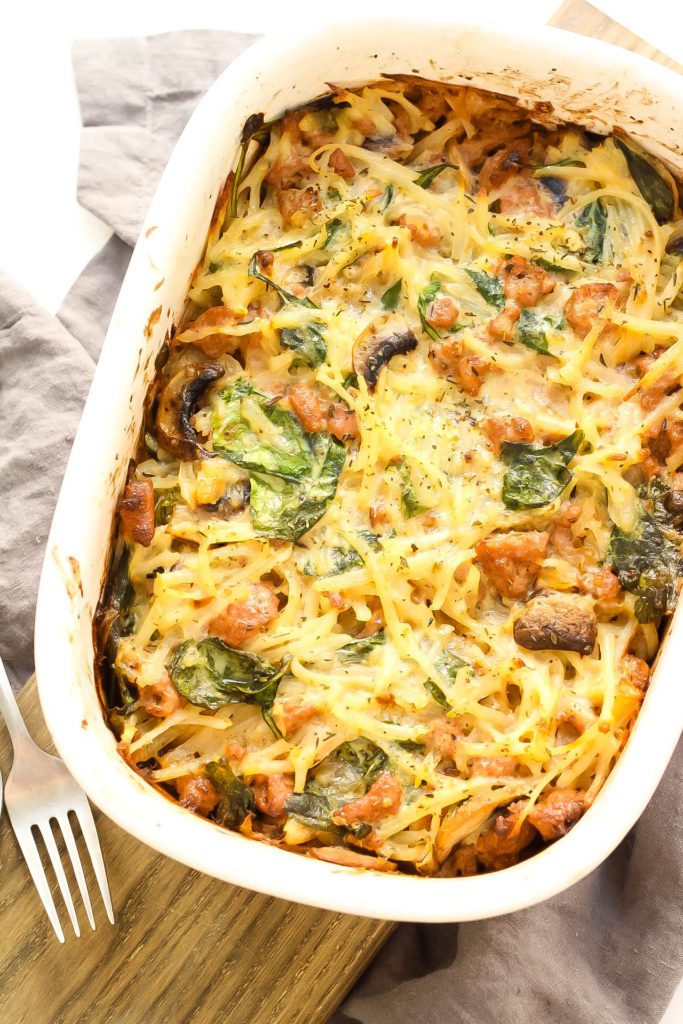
{"x":55,"y":860}
{"x":89,"y":832}
{"x":67,"y":832}
{"x":32,"y":857}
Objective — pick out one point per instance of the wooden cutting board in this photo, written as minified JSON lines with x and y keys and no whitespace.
{"x":187,"y":949}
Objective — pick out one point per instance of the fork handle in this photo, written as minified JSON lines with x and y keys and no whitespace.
{"x":11,"y":713}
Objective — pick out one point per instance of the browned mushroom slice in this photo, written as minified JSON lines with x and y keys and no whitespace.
{"x":176,"y":405}
{"x":557,"y":622}
{"x":387,"y":336}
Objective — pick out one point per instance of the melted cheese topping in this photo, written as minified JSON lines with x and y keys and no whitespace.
{"x":521,"y":721}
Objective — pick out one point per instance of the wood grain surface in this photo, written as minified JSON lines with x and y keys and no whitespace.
{"x":187,"y":949}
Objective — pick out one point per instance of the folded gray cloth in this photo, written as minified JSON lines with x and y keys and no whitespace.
{"x":607,"y":951}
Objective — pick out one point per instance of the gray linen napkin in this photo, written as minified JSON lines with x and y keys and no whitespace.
{"x":609,"y":950}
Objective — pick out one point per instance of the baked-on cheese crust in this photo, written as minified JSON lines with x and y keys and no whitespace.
{"x":393,"y":561}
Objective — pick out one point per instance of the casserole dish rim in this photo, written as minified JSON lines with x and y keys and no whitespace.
{"x":64,"y":603}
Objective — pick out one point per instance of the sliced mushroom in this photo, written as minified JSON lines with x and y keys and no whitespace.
{"x":557,"y":622}
{"x":387,"y":336}
{"x":176,"y":405}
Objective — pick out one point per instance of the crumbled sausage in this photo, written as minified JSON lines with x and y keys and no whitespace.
{"x":383,"y":798}
{"x":502,"y":326}
{"x":197,"y":793}
{"x":271,"y":793}
{"x":635,"y":672}
{"x":523,"y":282}
{"x":601,"y":583}
{"x":297,"y":205}
{"x":586,"y":302}
{"x":508,"y":428}
{"x":317,"y":414}
{"x":421,"y":230}
{"x":161,"y":699}
{"x":500,"y":846}
{"x":492,"y":767}
{"x":506,"y":162}
{"x":556,"y":812}
{"x":242,"y":619}
{"x":512,"y":560}
{"x":292,"y":716}
{"x":523,"y":194}
{"x":136,"y":509}
{"x":443,"y":738}
{"x":340,"y":162}
{"x":450,"y":360}
{"x":442,"y":313}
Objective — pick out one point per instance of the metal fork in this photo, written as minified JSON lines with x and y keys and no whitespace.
{"x":39,"y":791}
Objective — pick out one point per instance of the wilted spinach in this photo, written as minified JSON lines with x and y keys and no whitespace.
{"x":427,"y":176}
{"x":593,"y":223}
{"x":209,"y":674}
{"x":256,"y":129}
{"x":286,"y":509}
{"x":361,"y":649}
{"x":647,"y":560}
{"x":427,"y":295}
{"x":345,"y":775}
{"x":308,"y":342}
{"x":331,"y":229}
{"x":448,"y":665}
{"x":489,"y":287}
{"x":236,"y":798}
{"x":536,"y":475}
{"x":410,"y":506}
{"x":285,"y":451}
{"x":655,"y":189}
{"x":336,"y":560}
{"x":115,"y":621}
{"x":531,"y":330}
{"x":392,"y":296}
{"x":164,"y":505}
{"x":387,"y":197}
{"x":283,"y":295}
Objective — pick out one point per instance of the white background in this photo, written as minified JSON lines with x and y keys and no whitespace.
{"x":45,"y":237}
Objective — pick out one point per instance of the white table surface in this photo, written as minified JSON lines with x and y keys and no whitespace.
{"x":46,"y":237}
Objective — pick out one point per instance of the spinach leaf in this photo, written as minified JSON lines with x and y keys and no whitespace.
{"x":448,"y":665}
{"x":566,"y":161}
{"x":331,"y":229}
{"x":209,"y":674}
{"x":427,"y":176}
{"x":531,"y":332}
{"x":256,"y":129}
{"x":236,"y":798}
{"x":647,"y":560}
{"x":593,"y":222}
{"x":346,"y":774}
{"x":286,"y":449}
{"x":410,"y":506}
{"x":365,"y":757}
{"x":537,"y":475}
{"x":308,"y":342}
{"x":412,"y":746}
{"x":361,"y":649}
{"x":284,"y":296}
{"x":387,"y":197}
{"x":280,"y":508}
{"x":489,"y":287}
{"x":427,"y":295}
{"x":392,"y":296}
{"x":655,"y":190}
{"x":164,"y":505}
{"x":115,"y":621}
{"x":350,"y":381}
{"x":339,"y":560}
{"x":556,"y":268}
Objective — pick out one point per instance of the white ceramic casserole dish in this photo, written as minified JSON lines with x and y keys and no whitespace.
{"x":580,"y":80}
